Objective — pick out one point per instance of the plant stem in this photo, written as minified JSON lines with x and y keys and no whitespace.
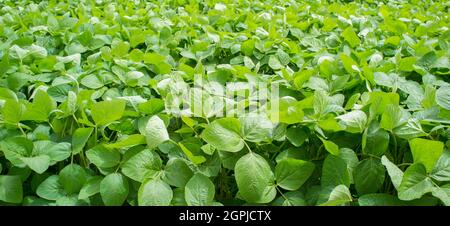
{"x":394,"y":140}
{"x":245,"y":143}
{"x":282,"y":195}
{"x":21,"y":130}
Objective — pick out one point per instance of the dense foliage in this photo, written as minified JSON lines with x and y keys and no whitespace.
{"x":90,"y":94}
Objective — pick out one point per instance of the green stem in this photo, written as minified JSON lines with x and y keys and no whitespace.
{"x":76,"y":120}
{"x":64,"y":129}
{"x":282,"y":195}
{"x":404,"y":164}
{"x":319,"y":151}
{"x":95,"y":134}
{"x":248,"y":147}
{"x":394,"y":140}
{"x":118,"y":167}
{"x":21,"y":130}
{"x":174,"y":142}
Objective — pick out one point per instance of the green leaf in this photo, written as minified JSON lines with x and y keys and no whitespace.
{"x":410,"y":130}
{"x":340,"y":195}
{"x":55,"y":151}
{"x":330,"y":146}
{"x":255,"y":179}
{"x":6,"y":94}
{"x":379,"y":199}
{"x":350,"y":65}
{"x":292,"y":198}
{"x":152,"y":106}
{"x":13,"y":111}
{"x":17,"y":80}
{"x":391,"y":117}
{"x":120,"y":48}
{"x":247,"y":47}
{"x":394,"y":172}
{"x":132,"y":78}
{"x":35,"y":201}
{"x":334,"y":172}
{"x":375,"y":140}
{"x":90,"y":188}
{"x":351,"y":37}
{"x":103,"y":157}
{"x":426,"y":152}
{"x":379,"y":105}
{"x":107,"y":111}
{"x":128,"y":142}
{"x":196,"y":159}
{"x":205,"y":105}
{"x":441,"y":170}
{"x":443,"y":97}
{"x":177,"y":173}
{"x":254,"y":97}
{"x":41,"y":107}
{"x":415,"y":183}
{"x":199,"y":191}
{"x":38,"y":164}
{"x":350,"y":158}
{"x":92,"y":81}
{"x":297,"y":135}
{"x":155,"y":192}
{"x":283,"y":57}
{"x":256,"y":127}
{"x":70,"y":201}
{"x":407,"y":64}
{"x":80,"y":138}
{"x":223,"y":134}
{"x":369,"y":176}
{"x":354,"y":121}
{"x":229,"y":159}
{"x":274,"y":62}
{"x":114,"y":189}
{"x":72,"y":178}
{"x":291,"y":173}
{"x":51,"y":188}
{"x":15,"y":148}
{"x":155,"y":132}
{"x":11,"y":189}
{"x":442,"y":195}
{"x":248,"y":62}
{"x":286,"y":110}
{"x":142,"y":165}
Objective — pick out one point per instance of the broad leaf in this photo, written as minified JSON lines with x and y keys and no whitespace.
{"x":199,"y":191}
{"x":114,"y":189}
{"x":142,"y":165}
{"x":177,"y":173}
{"x":11,"y":189}
{"x":255,"y":179}
{"x":415,"y":183}
{"x":155,"y":132}
{"x":107,"y":111}
{"x":291,"y":173}
{"x":334,"y":172}
{"x":72,"y":178}
{"x":426,"y":152}
{"x":224,"y":134}
{"x":394,"y":172}
{"x":369,"y":176}
{"x":155,"y":192}
{"x":80,"y":138}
